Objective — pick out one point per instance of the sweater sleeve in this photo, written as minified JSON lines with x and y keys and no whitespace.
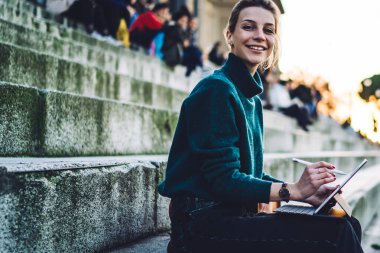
{"x":213,"y":135}
{"x":272,"y":179}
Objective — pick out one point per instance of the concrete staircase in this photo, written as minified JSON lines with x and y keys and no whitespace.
{"x":85,"y":128}
{"x":108,"y":90}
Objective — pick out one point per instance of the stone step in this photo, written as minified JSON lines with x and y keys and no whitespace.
{"x":135,"y":92}
{"x":124,"y":61}
{"x":28,"y":15}
{"x":48,"y":123}
{"x":324,"y":134}
{"x":90,"y":204}
{"x":27,"y":67}
{"x":363,"y":194}
{"x":79,"y":46}
{"x":297,"y":140}
{"x":86,"y":206}
{"x":50,"y":41}
{"x":35,"y":122}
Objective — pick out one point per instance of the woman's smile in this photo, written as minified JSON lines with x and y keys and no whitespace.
{"x":256,"y":49}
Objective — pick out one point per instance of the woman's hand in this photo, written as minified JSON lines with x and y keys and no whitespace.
{"x":313,"y":177}
{"x":321,"y":194}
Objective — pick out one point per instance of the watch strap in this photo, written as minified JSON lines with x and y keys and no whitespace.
{"x":284,"y":192}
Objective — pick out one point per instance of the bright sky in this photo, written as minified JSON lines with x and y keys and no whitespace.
{"x":337,"y":39}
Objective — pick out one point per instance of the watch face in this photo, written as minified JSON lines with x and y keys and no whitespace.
{"x":284,"y":193}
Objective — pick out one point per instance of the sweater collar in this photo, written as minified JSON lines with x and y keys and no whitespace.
{"x":239,"y":74}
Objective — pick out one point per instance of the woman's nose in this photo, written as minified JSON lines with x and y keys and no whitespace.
{"x":259,"y":35}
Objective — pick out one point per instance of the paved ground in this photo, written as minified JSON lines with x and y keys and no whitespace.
{"x":371,"y":242}
{"x":156,"y":244}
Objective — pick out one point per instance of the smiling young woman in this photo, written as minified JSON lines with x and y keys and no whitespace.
{"x":215,"y":176}
{"x":253,"y":37}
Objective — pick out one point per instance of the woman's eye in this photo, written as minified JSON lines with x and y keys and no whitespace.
{"x":269,"y":31}
{"x":248,"y":27}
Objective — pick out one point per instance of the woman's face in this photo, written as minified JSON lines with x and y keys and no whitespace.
{"x":254,"y":36}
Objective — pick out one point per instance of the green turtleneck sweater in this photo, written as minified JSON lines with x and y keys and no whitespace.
{"x":217,"y":150}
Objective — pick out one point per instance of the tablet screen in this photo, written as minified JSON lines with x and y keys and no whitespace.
{"x":341,"y":186}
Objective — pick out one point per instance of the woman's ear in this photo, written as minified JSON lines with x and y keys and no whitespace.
{"x":229,"y":38}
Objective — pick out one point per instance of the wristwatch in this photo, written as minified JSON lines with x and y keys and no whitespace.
{"x":284,"y":193}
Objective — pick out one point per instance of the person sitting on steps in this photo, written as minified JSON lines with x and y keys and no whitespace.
{"x":215,"y":176}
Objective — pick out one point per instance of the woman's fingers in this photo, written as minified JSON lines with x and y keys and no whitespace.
{"x":317,"y":183}
{"x":322,"y":175}
{"x":319,"y":179}
{"x":320,"y":170}
{"x":314,"y":176}
{"x":321,"y":164}
{"x":326,"y":180}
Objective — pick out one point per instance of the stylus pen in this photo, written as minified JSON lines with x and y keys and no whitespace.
{"x":308,"y":163}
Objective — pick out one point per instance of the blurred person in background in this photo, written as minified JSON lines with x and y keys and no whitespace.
{"x":192,"y":54}
{"x":175,"y":39}
{"x":148,"y":25}
{"x":216,"y":55}
{"x":309,"y":96}
{"x":280,"y":100}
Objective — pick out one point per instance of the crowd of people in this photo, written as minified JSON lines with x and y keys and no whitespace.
{"x":140,"y":24}
{"x":293,"y":99}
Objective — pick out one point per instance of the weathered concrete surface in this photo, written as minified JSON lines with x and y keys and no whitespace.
{"x":61,"y":124}
{"x":83,"y":126}
{"x":20,"y":120}
{"x":23,"y":66}
{"x":45,"y":164}
{"x":87,"y":210}
{"x":48,"y":123}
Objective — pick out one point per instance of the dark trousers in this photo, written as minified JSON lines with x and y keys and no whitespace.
{"x":300,"y":114}
{"x":215,"y":227}
{"x":192,"y":57}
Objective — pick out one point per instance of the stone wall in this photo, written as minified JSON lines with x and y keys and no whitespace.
{"x":86,"y":210}
{"x":96,"y":204}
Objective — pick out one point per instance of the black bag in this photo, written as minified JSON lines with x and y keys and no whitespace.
{"x":173,"y":55}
